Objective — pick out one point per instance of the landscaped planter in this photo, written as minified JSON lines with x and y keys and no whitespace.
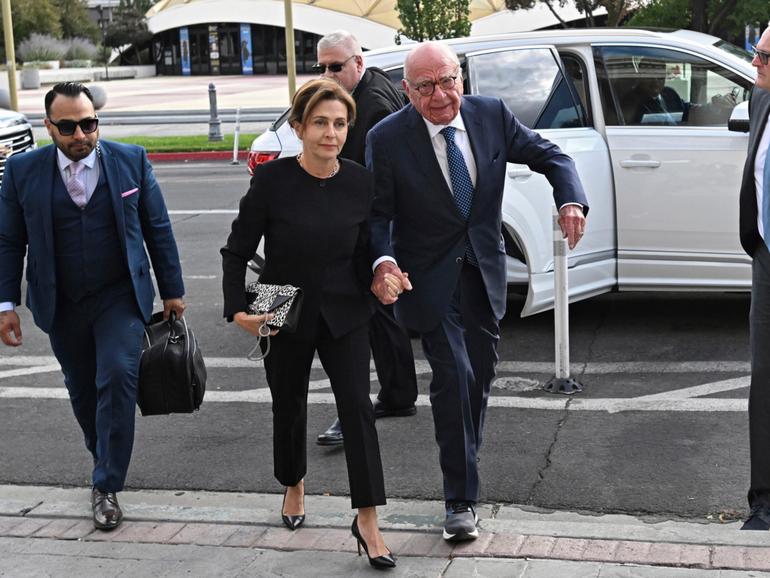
{"x":30,"y":78}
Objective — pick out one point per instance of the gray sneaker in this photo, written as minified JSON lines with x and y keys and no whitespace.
{"x":461,"y":520}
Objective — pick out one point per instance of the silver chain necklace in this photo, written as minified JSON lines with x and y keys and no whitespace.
{"x":335,"y":169}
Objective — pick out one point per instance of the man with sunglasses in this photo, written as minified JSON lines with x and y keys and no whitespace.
{"x":82,"y":210}
{"x":340,"y":58}
{"x":754,"y":227}
{"x":439,"y":172}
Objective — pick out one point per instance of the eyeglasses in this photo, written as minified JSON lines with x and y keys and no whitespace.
{"x":333,"y":67}
{"x":428,"y":87}
{"x":763,"y":56}
{"x":67,"y":127}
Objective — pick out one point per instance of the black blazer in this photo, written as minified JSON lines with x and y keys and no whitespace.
{"x":316,"y":238}
{"x":759,"y":107}
{"x":376,"y":97}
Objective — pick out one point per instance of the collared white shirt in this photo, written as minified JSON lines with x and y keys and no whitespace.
{"x":759,"y":177}
{"x":461,"y":140}
{"x":89,"y":176}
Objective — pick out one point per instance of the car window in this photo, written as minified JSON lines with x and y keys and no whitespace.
{"x":642,"y":86}
{"x":530,"y":81}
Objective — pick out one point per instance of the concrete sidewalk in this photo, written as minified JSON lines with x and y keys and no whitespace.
{"x":46,"y":531}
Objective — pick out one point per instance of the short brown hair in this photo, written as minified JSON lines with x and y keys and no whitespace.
{"x":313,"y":92}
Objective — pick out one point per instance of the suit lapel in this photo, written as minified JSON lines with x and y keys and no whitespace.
{"x":109,"y":164}
{"x":44,"y":184}
{"x":421,"y":147}
{"x":763,"y":109}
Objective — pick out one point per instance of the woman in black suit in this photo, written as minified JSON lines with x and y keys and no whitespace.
{"x":312,"y":210}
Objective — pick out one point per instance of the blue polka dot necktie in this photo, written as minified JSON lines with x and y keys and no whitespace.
{"x":462,"y":186}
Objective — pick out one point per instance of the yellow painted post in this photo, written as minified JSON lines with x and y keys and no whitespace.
{"x":10,"y":53}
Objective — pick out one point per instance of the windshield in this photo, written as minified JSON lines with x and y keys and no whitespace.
{"x":734,"y":50}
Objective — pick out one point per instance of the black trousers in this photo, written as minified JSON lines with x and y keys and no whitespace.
{"x":759,"y":393}
{"x":393,"y":359}
{"x":346,"y":362}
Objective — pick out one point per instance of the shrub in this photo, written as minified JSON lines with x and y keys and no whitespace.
{"x":79,"y":49}
{"x":40,"y":47}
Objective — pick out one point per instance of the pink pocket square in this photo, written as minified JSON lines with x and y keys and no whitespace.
{"x":128,"y":193}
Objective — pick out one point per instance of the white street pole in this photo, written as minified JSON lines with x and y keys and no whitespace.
{"x":561,"y":382}
{"x":236,"y":135}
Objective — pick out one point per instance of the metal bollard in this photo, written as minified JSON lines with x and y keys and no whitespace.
{"x":561,"y":382}
{"x":215,"y":126}
{"x":236,"y":134}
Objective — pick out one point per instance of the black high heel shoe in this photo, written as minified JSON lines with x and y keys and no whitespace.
{"x":291,"y":522}
{"x":380,"y":562}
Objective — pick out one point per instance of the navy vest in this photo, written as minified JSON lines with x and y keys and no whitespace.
{"x":86,"y":243}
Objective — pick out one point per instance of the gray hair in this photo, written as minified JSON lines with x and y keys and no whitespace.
{"x":340,"y":38}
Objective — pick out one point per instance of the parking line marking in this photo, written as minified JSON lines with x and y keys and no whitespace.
{"x":699,"y":390}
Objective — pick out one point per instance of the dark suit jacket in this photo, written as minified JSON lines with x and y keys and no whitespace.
{"x":26,"y":224}
{"x":428,"y":232}
{"x":316,"y":238}
{"x":759,"y":107}
{"x":376,"y":98}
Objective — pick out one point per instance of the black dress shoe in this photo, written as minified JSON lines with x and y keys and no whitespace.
{"x":759,"y":518}
{"x":383,"y":410}
{"x":107,"y":512}
{"x":332,"y":436}
{"x":291,"y":522}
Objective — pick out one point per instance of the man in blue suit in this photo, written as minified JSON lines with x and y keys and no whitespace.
{"x":440,"y":167}
{"x":84,"y":210}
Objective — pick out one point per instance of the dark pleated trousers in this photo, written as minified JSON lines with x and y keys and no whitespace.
{"x":462,"y":352}
{"x":759,"y":393}
{"x":346,"y":362}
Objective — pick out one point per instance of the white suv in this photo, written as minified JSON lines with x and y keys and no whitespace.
{"x":662,"y":178}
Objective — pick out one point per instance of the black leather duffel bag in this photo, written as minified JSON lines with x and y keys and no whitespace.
{"x":172,"y":375}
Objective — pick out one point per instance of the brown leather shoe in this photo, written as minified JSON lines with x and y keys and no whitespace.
{"x":107,"y":512}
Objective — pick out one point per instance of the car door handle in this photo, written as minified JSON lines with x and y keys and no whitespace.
{"x":632,"y":164}
{"x":519,"y":173}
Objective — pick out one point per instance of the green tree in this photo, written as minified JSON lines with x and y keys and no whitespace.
{"x":129,"y":27}
{"x":723,"y":18}
{"x":617,"y":10}
{"x":75,"y":21}
{"x":41,"y":16}
{"x":433,"y":19}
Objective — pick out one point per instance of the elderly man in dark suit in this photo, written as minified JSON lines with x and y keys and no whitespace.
{"x":83,"y":210}
{"x":439,"y":169}
{"x":340,"y":58}
{"x":755,"y":238}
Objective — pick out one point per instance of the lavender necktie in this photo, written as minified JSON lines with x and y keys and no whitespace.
{"x":75,"y":187}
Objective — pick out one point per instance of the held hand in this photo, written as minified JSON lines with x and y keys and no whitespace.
{"x":176,"y":305}
{"x":252,"y":323}
{"x":389,"y":282}
{"x":10,"y":328}
{"x":572,"y":223}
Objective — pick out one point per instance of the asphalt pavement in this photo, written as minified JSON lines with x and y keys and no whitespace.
{"x":642,"y":474}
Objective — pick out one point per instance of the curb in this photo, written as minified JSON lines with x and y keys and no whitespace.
{"x":195,"y":156}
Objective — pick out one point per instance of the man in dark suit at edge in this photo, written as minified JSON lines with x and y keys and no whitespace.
{"x":83,"y":211}
{"x":340,"y":58}
{"x":754,"y":225}
{"x":439,"y":168}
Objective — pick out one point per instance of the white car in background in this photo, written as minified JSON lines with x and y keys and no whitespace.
{"x":664,"y":197}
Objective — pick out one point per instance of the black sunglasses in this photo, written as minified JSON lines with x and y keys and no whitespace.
{"x":761,"y":54}
{"x":334,"y":67}
{"x":67,"y":127}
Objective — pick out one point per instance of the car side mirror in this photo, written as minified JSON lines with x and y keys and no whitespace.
{"x":739,"y":118}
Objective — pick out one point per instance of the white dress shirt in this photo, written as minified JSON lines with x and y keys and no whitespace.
{"x":759,"y":177}
{"x":89,"y":176}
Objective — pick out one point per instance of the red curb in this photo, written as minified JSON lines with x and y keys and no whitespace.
{"x":195,"y":156}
